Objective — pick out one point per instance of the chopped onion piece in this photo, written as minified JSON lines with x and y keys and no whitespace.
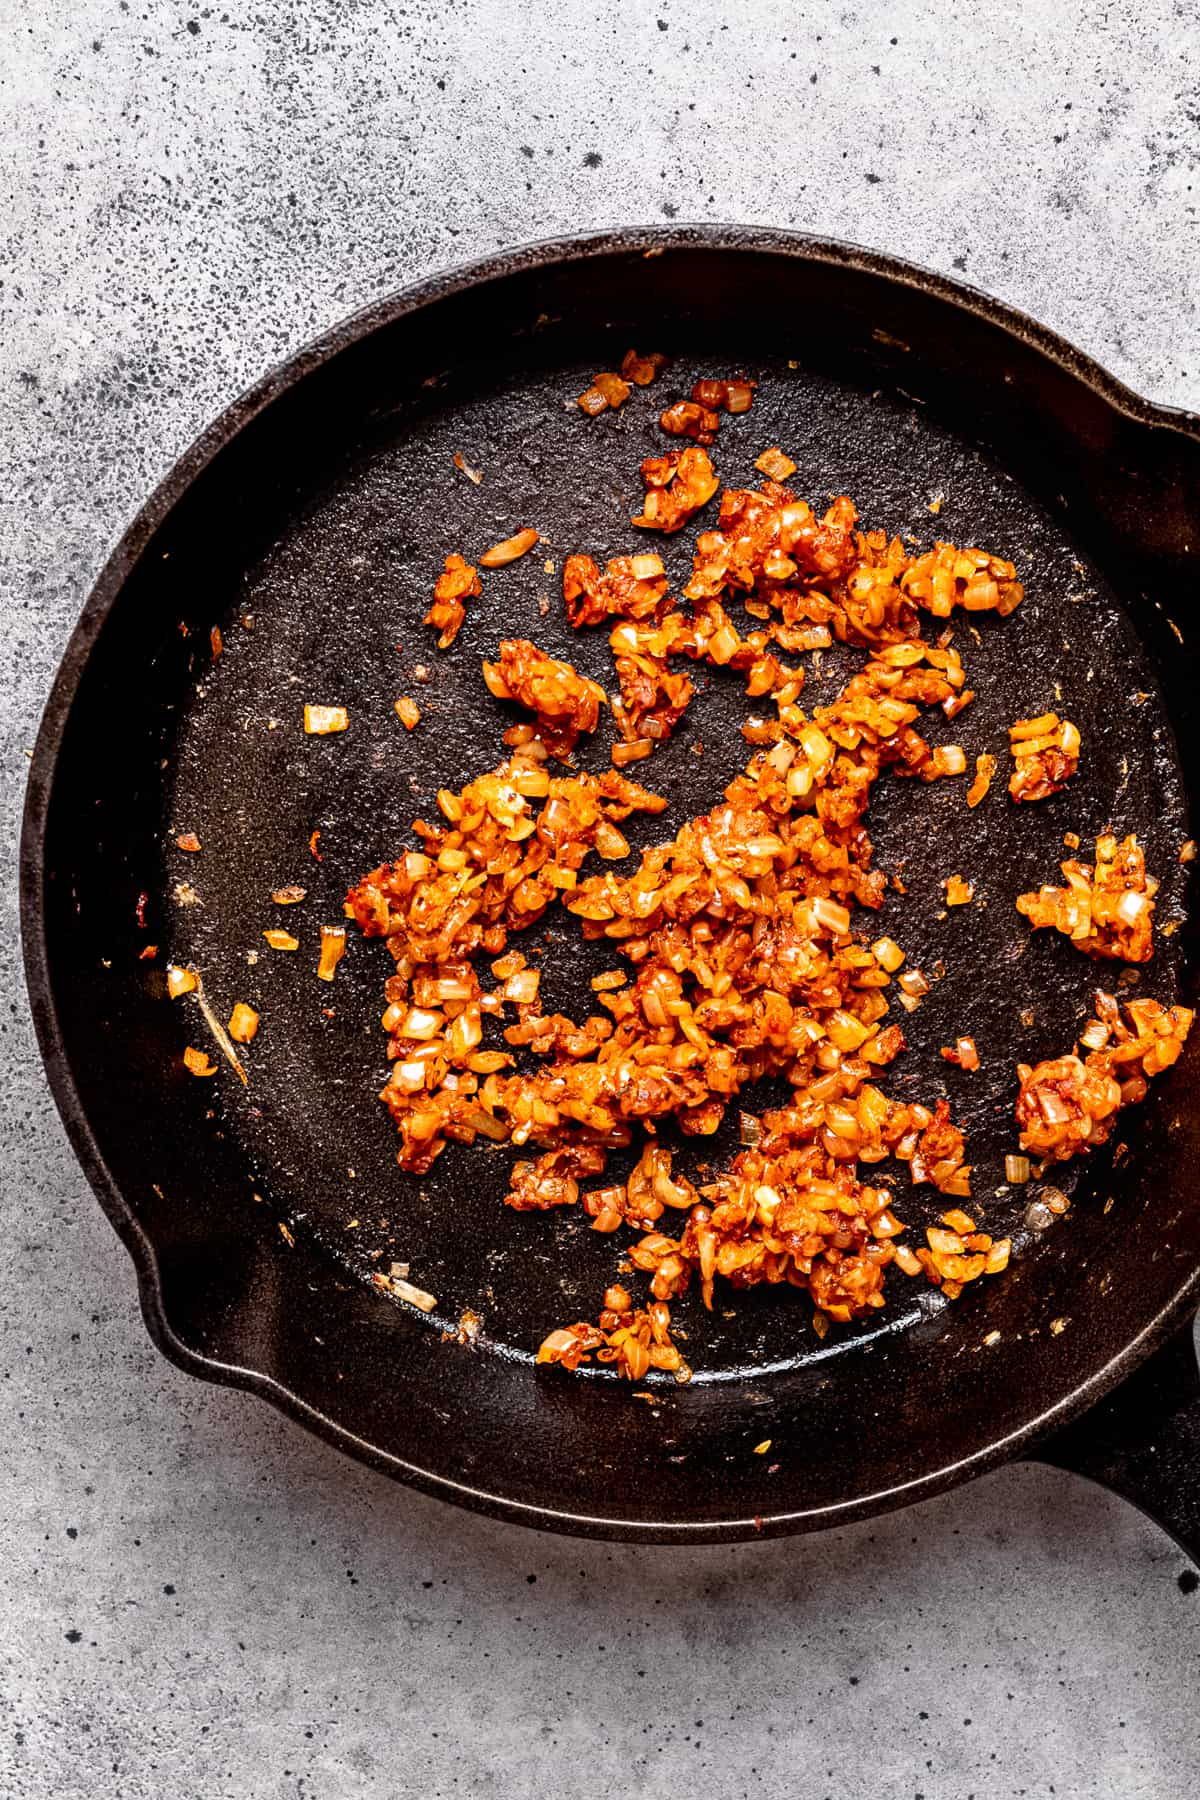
{"x":1054,"y":1111}
{"x":180,"y":981}
{"x":319,"y":721}
{"x":243,"y":1023}
{"x":282,"y":940}
{"x":831,"y":917}
{"x":1016,"y":1170}
{"x":198,"y":1063}
{"x":404,"y":1290}
{"x":463,"y":466}
{"x":1131,"y":906}
{"x":510,"y":550}
{"x":522,"y":987}
{"x":408,"y":1077}
{"x":333,"y":948}
{"x":408,"y":712}
{"x":419,"y":1023}
{"x":641,"y":370}
{"x":775,"y":465}
{"x":997,"y":1256}
{"x":609,"y":841}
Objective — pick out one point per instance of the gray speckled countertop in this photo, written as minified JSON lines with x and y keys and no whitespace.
{"x":199,"y":1600}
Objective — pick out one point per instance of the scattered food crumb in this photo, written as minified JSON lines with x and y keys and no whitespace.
{"x":775,"y":465}
{"x":243,"y":1023}
{"x":320,"y":721}
{"x":333,"y":948}
{"x":463,"y":466}
{"x":510,"y":549}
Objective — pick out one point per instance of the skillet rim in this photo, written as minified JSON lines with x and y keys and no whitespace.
{"x":123,"y":558}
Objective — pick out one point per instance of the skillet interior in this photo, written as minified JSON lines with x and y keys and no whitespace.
{"x":325,"y":521}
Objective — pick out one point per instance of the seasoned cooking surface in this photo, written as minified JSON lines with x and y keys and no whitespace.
{"x":337,"y":602}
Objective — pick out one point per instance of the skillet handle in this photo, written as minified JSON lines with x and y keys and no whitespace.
{"x":1143,"y":1441}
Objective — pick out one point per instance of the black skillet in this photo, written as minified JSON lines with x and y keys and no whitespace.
{"x":308,"y":525}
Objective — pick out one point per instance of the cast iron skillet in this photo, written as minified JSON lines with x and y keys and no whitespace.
{"x":319,"y":508}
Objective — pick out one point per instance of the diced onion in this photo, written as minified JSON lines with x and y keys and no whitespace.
{"x":1131,"y":906}
{"x":243,"y":1023}
{"x":831,"y":917}
{"x":419,"y":1024}
{"x":510,"y":549}
{"x":319,"y":721}
{"x":333,"y":948}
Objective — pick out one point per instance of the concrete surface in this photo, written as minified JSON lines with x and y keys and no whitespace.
{"x":197,"y":1600}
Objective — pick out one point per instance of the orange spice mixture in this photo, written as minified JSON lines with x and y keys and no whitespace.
{"x":1046,"y":752}
{"x":1069,"y":1105}
{"x":741,"y":962}
{"x":565,"y":703}
{"x":737,"y":956}
{"x":1108,"y":912}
